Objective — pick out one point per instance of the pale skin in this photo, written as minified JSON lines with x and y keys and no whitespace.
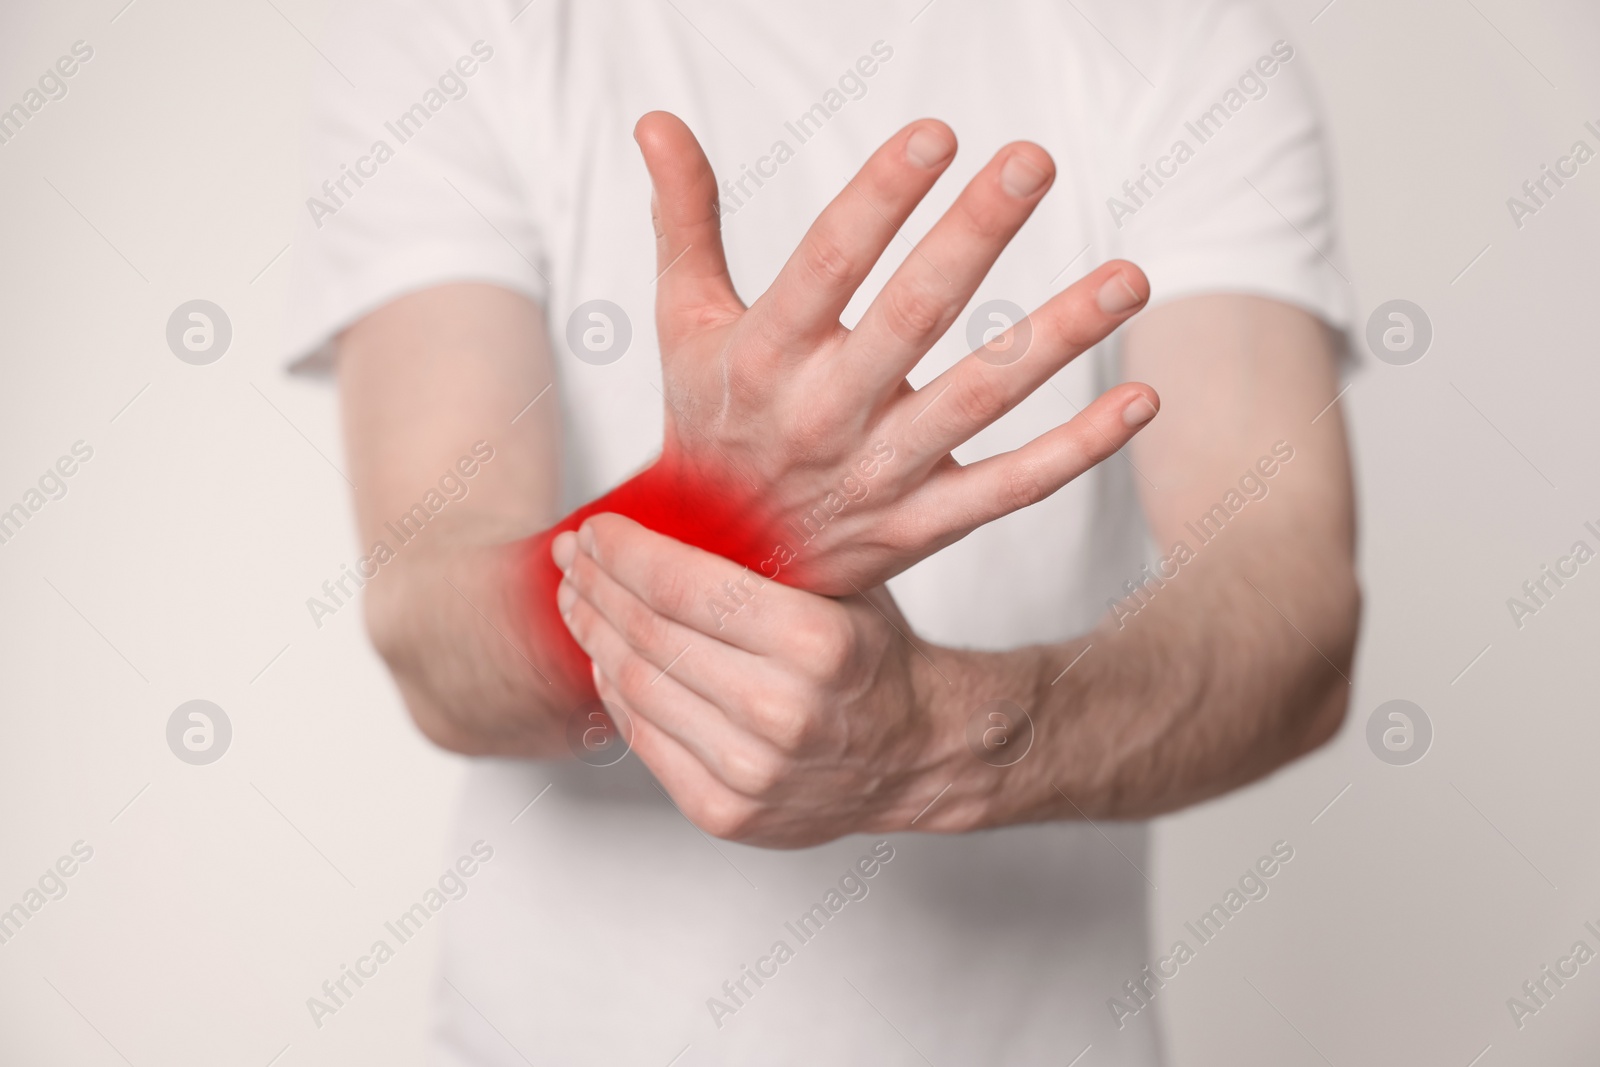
{"x":804,"y":716}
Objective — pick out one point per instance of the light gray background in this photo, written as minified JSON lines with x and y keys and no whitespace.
{"x":178,"y":564}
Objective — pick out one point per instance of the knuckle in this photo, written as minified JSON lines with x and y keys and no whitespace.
{"x":724,"y":815}
{"x":984,"y":218}
{"x":1024,"y":487}
{"x":633,"y":677}
{"x":782,"y":723}
{"x":980,"y":398}
{"x":753,"y":770}
{"x":824,"y":644}
{"x":668,"y":589}
{"x":1072,"y":329}
{"x":913,"y":531}
{"x":1095,"y":445}
{"x":826,"y":261}
{"x":912,"y":313}
{"x":642,"y":628}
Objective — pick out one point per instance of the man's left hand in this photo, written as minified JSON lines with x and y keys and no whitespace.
{"x":772,"y":716}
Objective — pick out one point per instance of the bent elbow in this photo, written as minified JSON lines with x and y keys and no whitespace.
{"x":1333,"y":667}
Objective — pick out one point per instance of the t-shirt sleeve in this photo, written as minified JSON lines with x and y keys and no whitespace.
{"x":413,"y":174}
{"x":1225,"y":182}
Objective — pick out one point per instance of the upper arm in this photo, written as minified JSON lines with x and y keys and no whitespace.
{"x":422,"y":380}
{"x":1237,"y":375}
{"x":1252,"y":213}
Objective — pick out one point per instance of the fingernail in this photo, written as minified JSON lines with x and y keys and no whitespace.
{"x":566,"y":596}
{"x":1138,"y":413}
{"x":563,"y":548}
{"x":929,"y":147}
{"x":1117,"y":296}
{"x":1020,"y":177}
{"x":586,"y":539}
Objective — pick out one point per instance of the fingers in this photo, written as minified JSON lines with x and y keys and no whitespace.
{"x":802,"y":308}
{"x":766,"y":698}
{"x":964,"y":498}
{"x":936,"y":280}
{"x":703,"y":696}
{"x":696,"y":589}
{"x":647,"y":689}
{"x":698,"y":794}
{"x":693,"y":272}
{"x":996,"y":378}
{"x":615,"y":628}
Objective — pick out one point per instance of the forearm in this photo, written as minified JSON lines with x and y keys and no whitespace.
{"x":1206,"y":688}
{"x":1235,"y":658}
{"x":420,"y":380}
{"x":448,"y":619}
{"x":469,"y":624}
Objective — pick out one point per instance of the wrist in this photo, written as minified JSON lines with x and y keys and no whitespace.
{"x":713,"y":508}
{"x":987,"y":737}
{"x":953,"y":794}
{"x":674,"y":496}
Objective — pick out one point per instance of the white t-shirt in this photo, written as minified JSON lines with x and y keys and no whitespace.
{"x":492,"y":140}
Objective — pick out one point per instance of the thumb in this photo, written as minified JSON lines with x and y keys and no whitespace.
{"x":693,"y":272}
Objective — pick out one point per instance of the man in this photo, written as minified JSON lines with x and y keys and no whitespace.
{"x":820,"y":847}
